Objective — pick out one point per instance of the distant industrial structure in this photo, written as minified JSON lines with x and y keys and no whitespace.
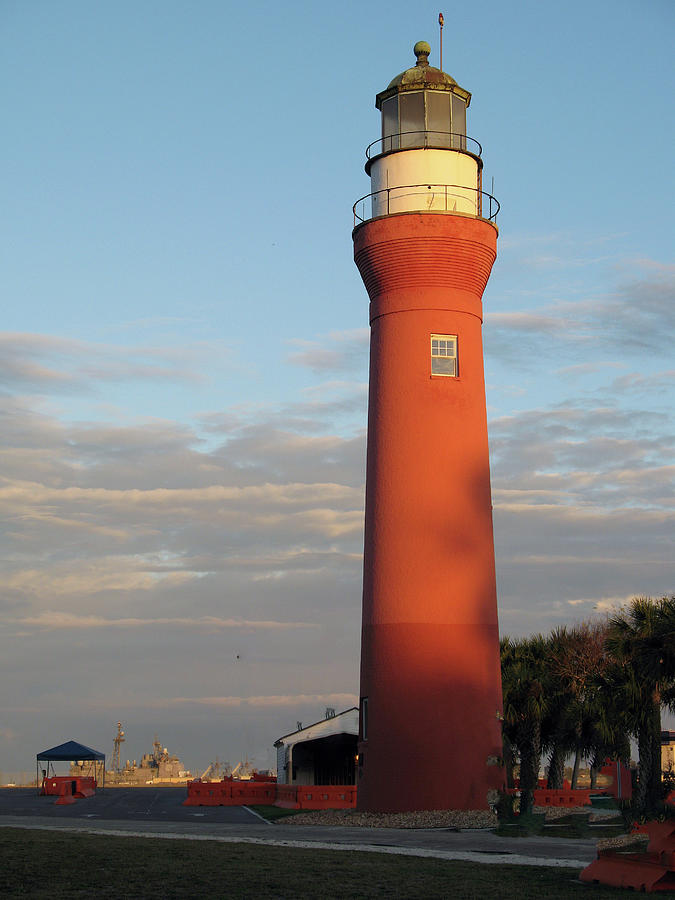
{"x":160,"y":766}
{"x":117,"y":742}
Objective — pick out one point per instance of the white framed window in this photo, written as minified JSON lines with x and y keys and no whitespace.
{"x":444,"y":355}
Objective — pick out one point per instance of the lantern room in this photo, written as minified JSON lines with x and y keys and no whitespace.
{"x":423,"y":107}
{"x":424,"y":160}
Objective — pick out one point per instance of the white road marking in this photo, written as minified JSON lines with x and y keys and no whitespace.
{"x":254,"y":813}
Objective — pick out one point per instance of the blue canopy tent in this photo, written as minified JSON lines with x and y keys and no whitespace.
{"x":71,"y":751}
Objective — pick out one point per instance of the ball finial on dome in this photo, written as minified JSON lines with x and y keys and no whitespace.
{"x":422,"y":51}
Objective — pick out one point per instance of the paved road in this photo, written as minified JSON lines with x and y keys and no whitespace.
{"x":136,"y":805}
{"x":159,"y":811}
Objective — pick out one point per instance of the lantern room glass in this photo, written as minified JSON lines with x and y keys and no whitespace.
{"x":390,"y":125}
{"x":411,"y":118}
{"x":438,"y":119}
{"x":423,"y":119}
{"x":458,"y":123}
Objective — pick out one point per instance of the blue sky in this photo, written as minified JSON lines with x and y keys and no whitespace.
{"x":184,"y":346}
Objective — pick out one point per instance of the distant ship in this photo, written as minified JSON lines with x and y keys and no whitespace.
{"x":158,"y":767}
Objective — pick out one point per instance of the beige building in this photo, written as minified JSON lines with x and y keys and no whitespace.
{"x":667,"y":751}
{"x":322,"y":753}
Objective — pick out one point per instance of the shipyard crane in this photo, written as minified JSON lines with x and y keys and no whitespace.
{"x":215,"y":771}
{"x":117,"y":742}
{"x":243,"y":770}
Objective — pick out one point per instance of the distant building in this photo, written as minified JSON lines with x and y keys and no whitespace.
{"x":667,"y":750}
{"x":322,"y":753}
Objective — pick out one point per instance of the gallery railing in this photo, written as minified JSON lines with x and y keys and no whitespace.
{"x":413,"y":140}
{"x":450,"y":198}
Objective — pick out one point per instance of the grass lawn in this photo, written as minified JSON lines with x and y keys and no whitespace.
{"x":573,"y":826}
{"x":272,"y":813}
{"x":54,"y":864}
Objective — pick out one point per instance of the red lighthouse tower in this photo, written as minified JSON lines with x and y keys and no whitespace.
{"x":424,"y":243}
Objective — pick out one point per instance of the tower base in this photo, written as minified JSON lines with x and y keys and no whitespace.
{"x":435,"y":737}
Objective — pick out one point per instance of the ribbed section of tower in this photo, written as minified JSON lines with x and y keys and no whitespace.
{"x":430,"y":678}
{"x":431,"y":254}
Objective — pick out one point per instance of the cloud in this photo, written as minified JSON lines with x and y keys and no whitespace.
{"x":602,"y":604}
{"x":584,"y":506}
{"x":537,"y":323}
{"x":638,"y":317}
{"x":53,"y":619}
{"x":589,"y":368}
{"x":334,"y":352}
{"x":560,"y":239}
{"x":579,"y":433}
{"x":96,"y":518}
{"x":49,"y":364}
{"x":324,"y":407}
{"x":656,"y":383}
{"x":175,"y":569}
{"x":273,"y":700}
{"x":266,"y":496}
{"x":84,"y":576}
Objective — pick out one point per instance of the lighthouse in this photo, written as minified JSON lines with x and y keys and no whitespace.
{"x":424,"y":242}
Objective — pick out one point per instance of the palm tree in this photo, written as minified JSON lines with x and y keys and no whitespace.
{"x":560,"y":724}
{"x":526,"y":697}
{"x":586,"y":719}
{"x":606,"y":725}
{"x":641,"y":642}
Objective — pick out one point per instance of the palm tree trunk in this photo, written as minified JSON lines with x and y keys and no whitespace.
{"x":530,"y":758}
{"x":575,"y":769}
{"x":509,"y":761}
{"x":654,"y":790}
{"x":556,"y":768}
{"x":640,"y":795}
{"x":647,"y":798}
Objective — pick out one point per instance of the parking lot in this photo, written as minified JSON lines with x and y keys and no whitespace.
{"x":143,"y":804}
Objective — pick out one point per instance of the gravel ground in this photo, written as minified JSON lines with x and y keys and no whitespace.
{"x":559,"y":812}
{"x":637,"y":841}
{"x":440,"y":818}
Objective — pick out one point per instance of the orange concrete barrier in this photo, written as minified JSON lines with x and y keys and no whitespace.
{"x":85,"y":792}
{"x":84,"y":786}
{"x":57,"y":785}
{"x":580,"y":797}
{"x":622,"y":785}
{"x":209,"y":793}
{"x":256,"y":793}
{"x":647,"y":872}
{"x":287,"y":796}
{"x":326,"y":796}
{"x":68,"y":788}
{"x":229,"y":793}
{"x":253,"y":792}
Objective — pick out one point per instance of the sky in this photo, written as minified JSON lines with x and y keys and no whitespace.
{"x":184,"y":359}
